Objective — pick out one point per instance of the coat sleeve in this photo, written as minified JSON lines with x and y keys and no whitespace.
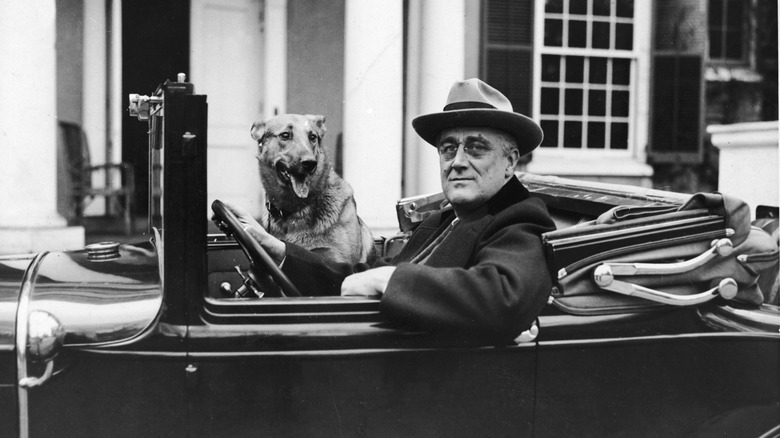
{"x":316,"y":276}
{"x":499,"y":294}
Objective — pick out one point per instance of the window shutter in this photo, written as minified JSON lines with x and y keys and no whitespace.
{"x":508,"y":48}
{"x":677,"y":117}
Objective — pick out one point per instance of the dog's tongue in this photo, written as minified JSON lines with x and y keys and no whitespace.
{"x":300,"y":186}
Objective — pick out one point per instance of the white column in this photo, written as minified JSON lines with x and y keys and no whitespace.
{"x":94,"y":92}
{"x":748,"y":166}
{"x":275,"y":58}
{"x":373,"y":109}
{"x":28,"y":135}
{"x":437,"y":53}
{"x":117,"y":101}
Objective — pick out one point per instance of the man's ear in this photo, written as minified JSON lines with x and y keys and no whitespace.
{"x":257,"y":131}
{"x":512,"y":159}
{"x":318,"y":122}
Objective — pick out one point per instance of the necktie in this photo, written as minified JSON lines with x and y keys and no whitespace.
{"x":425,"y":254}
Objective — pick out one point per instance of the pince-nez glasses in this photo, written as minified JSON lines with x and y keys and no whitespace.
{"x":473,"y":149}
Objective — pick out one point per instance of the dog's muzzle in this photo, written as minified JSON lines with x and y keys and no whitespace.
{"x":297,"y":176}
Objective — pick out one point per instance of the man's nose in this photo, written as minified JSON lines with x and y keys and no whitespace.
{"x":461,"y":158}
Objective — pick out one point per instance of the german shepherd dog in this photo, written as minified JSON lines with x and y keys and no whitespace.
{"x":308,"y":204}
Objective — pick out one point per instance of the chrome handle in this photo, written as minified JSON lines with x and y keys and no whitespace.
{"x":720,"y":247}
{"x":605,"y":279}
{"x":528,"y":335}
{"x":30,"y":382}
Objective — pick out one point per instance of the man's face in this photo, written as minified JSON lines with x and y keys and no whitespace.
{"x":473,"y":166}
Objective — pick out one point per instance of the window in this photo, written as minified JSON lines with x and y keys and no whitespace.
{"x":727,"y":33}
{"x":679,"y":52}
{"x":586,"y":75}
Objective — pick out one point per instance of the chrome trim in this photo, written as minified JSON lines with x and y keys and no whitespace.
{"x":605,"y":279}
{"x":21,"y":340}
{"x":720,"y":247}
{"x":529,"y":335}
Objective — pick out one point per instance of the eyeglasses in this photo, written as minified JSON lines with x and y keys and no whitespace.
{"x":474,"y":149}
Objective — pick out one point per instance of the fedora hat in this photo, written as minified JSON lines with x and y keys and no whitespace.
{"x":475,"y":104}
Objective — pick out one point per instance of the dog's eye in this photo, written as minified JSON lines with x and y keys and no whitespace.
{"x":313,"y":138}
{"x":284,"y":136}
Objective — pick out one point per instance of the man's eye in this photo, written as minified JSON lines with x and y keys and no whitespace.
{"x":448,"y":150}
{"x":285,"y":135}
{"x":476,"y":149}
{"x":313,"y":138}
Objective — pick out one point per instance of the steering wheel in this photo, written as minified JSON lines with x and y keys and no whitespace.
{"x":229,"y":224}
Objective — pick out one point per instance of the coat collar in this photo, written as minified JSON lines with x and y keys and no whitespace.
{"x":511,"y":193}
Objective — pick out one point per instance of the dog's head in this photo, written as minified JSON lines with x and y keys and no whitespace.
{"x":290,"y":148}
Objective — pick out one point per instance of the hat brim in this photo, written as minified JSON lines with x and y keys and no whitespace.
{"x":528,"y":133}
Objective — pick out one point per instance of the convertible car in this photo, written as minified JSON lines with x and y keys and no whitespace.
{"x":663,"y":322}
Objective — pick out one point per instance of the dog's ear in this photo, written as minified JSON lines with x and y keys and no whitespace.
{"x":257,"y":131}
{"x":319,"y":123}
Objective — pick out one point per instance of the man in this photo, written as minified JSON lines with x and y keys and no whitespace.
{"x":476,"y":265}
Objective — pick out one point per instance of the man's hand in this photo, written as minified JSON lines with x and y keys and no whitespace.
{"x":273,"y":246}
{"x":371,"y":283}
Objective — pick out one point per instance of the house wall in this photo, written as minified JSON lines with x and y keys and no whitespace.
{"x":315,"y":64}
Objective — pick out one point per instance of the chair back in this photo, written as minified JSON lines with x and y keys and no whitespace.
{"x":76,"y":151}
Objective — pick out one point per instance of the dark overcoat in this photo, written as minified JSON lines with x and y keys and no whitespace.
{"x":487,"y":277}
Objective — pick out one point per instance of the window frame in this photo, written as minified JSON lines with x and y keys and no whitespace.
{"x":636,"y":58}
{"x":744,"y":58}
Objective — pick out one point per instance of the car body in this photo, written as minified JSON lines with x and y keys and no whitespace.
{"x":142,"y":340}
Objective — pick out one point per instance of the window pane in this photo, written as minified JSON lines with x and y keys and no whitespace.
{"x":715,"y":13}
{"x":550,"y":129}
{"x":596,"y":132}
{"x":574,"y":69}
{"x":601,"y":7}
{"x":619,"y":136}
{"x":624,"y":36}
{"x":625,"y":8}
{"x":734,"y":44}
{"x":549,"y":97}
{"x":551,"y":68}
{"x":598,"y":70}
{"x":554,"y":6}
{"x":734,"y":14}
{"x":573,"y":105}
{"x":579,"y":7}
{"x":572,"y":135}
{"x":553,"y":33}
{"x":577,"y":33}
{"x":716,"y":47}
{"x":620,"y":103}
{"x":621,"y":71}
{"x":600,"y":35}
{"x":597,"y":102}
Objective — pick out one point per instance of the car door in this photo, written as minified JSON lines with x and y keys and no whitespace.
{"x":331,"y":367}
{"x":669,"y":372}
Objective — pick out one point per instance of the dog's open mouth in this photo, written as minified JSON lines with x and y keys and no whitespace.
{"x":298,"y":180}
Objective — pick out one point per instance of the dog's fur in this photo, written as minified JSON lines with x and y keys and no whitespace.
{"x":308,"y":203}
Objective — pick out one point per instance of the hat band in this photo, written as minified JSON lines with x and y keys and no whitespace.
{"x":468,"y":105}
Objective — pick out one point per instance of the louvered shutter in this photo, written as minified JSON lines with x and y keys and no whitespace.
{"x":508,"y":50}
